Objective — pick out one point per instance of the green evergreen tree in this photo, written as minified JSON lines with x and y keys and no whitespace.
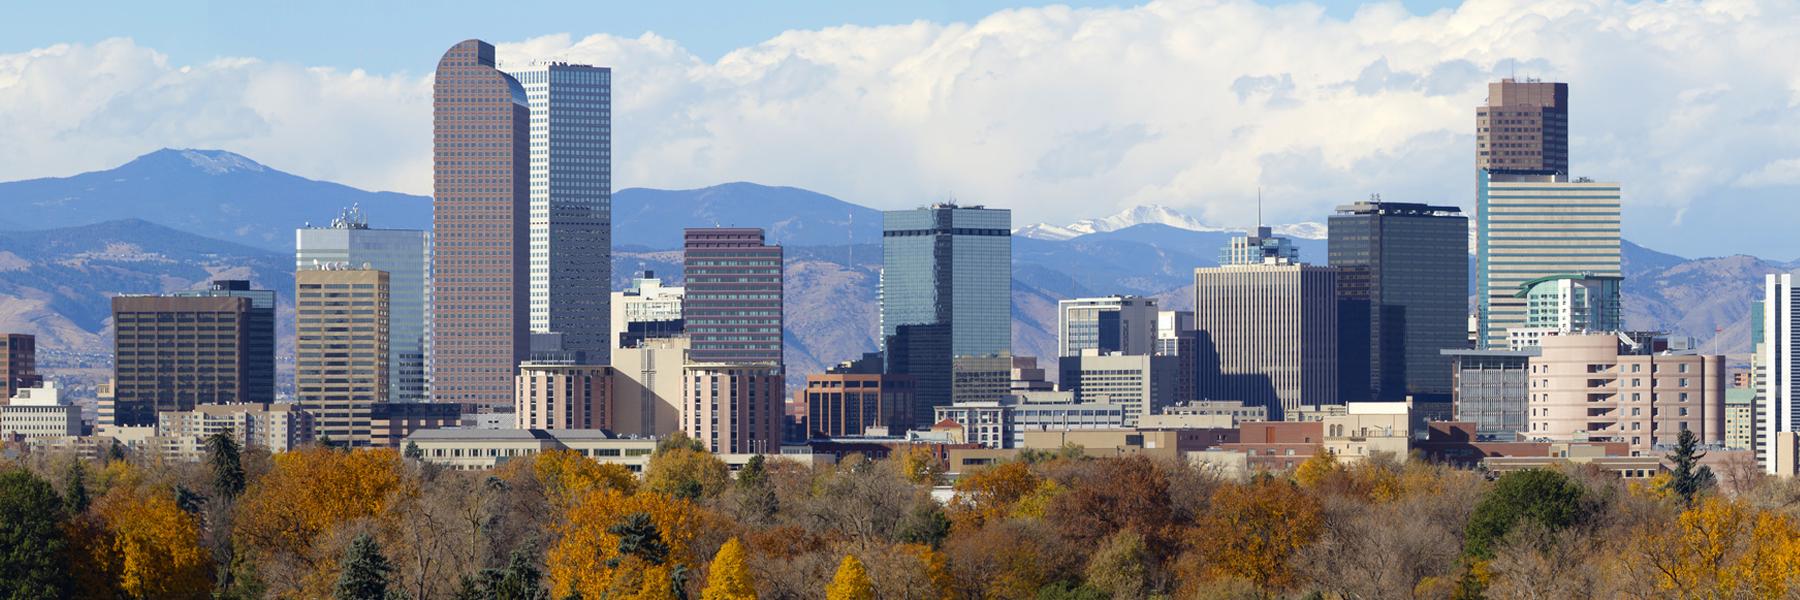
{"x":413,"y":451}
{"x":365,"y":572}
{"x":33,"y":560}
{"x":1687,"y":480}
{"x":1541,"y":495}
{"x":115,"y":452}
{"x":754,"y":473}
{"x":227,"y":461}
{"x":75,"y":496}
{"x":926,"y":524}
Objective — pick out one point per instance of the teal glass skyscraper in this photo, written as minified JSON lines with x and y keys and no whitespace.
{"x":946,"y":302}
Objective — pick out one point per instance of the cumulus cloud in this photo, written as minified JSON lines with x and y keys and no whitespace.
{"x":1057,"y":113}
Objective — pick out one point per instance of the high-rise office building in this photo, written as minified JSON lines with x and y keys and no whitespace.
{"x":1139,"y":385}
{"x":1759,"y":380}
{"x":480,"y":217}
{"x":1267,"y":335}
{"x":1531,"y":226}
{"x":839,"y":404}
{"x":646,"y":387}
{"x":1524,"y":126}
{"x":405,"y":254}
{"x":1781,"y":371}
{"x":1531,"y":219}
{"x":731,"y":307}
{"x":341,"y":349}
{"x":21,"y":362}
{"x":1402,"y":274}
{"x":175,"y":352}
{"x":570,"y":220}
{"x":946,"y":302}
{"x":1176,"y":336}
{"x":1122,"y":324}
{"x":1257,"y":248}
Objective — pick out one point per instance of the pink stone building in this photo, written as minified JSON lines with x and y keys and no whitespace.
{"x":1600,"y":388}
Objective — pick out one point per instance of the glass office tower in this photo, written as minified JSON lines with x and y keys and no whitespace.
{"x":946,"y":302}
{"x":1403,"y":276}
{"x":405,"y":254}
{"x":1536,"y":225}
{"x":570,"y":252}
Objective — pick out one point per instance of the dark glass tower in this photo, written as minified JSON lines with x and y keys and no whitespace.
{"x":1403,"y":293}
{"x":946,"y":302}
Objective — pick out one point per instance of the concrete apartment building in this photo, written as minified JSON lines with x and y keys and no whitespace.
{"x":341,"y":351}
{"x":733,"y":408}
{"x":1599,"y":387}
{"x":277,"y":427}
{"x":563,"y":396}
{"x":647,"y":387}
{"x":21,"y":362}
{"x":1003,"y":424}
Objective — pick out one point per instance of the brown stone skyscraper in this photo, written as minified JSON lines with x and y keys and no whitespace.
{"x":481,"y":120}
{"x":1523,"y":127}
{"x":732,"y":307}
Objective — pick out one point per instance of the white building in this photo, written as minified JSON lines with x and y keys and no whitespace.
{"x":40,"y":412}
{"x":1141,"y":385}
{"x":1114,"y":324}
{"x":1781,"y":342}
{"x":1003,"y":424}
{"x":647,"y":310}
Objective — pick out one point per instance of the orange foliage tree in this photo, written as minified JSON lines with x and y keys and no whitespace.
{"x":989,"y":494}
{"x":568,"y":477}
{"x":585,"y":558}
{"x":310,"y":493}
{"x":1254,"y":530}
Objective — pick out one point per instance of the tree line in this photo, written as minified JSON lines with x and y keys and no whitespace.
{"x":323,"y":522}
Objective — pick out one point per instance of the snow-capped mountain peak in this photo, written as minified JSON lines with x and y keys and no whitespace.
{"x":1147,"y":214}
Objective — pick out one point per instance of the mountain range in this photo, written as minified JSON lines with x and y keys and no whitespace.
{"x":173,"y":219}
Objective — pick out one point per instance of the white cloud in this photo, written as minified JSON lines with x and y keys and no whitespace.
{"x":1060,"y":114}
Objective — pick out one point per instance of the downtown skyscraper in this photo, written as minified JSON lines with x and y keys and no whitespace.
{"x":349,"y":243}
{"x":733,"y":303}
{"x":946,"y":302}
{"x":521,"y":216}
{"x":1403,"y":289}
{"x":1531,"y":219}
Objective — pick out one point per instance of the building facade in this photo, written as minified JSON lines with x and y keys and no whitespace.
{"x":40,"y":411}
{"x":1402,"y":273}
{"x":341,"y":350}
{"x":1777,"y":361}
{"x":406,"y":256}
{"x":1568,"y":304}
{"x":178,"y":352}
{"x":1268,"y":335}
{"x":733,"y":408}
{"x":1492,"y":390}
{"x":647,"y":387}
{"x":563,"y":396}
{"x":480,"y":224}
{"x":1257,"y":248}
{"x":1524,"y":126}
{"x":841,"y":404}
{"x":647,"y":309}
{"x":1140,"y":385}
{"x":277,"y":427}
{"x":570,"y":215}
{"x":1596,"y":387}
{"x":946,"y":302}
{"x":21,"y":362}
{"x":732,"y":305}
{"x":1531,"y":226}
{"x":1121,"y":324}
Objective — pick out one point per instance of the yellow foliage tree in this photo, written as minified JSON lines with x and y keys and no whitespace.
{"x":729,"y":577}
{"x":684,"y":472}
{"x":1254,"y":530}
{"x":989,"y":494}
{"x":568,"y":477}
{"x":1315,"y":470}
{"x":1032,"y":505}
{"x":1720,"y":549}
{"x":311,"y":492}
{"x":937,"y":570}
{"x":156,"y":544}
{"x":579,"y":561}
{"x":851,"y":582}
{"x":919,"y":465}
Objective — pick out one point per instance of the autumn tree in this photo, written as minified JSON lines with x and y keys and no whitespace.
{"x":156,"y":544}
{"x":729,"y":576}
{"x":610,"y":542}
{"x":1129,"y":493}
{"x":919,"y":465}
{"x":1253,"y":532}
{"x":851,"y":582}
{"x":989,"y":494}
{"x":1313,"y":472}
{"x":32,"y":543}
{"x":1721,"y":548}
{"x":1541,"y":495}
{"x":684,"y":472}
{"x":1120,"y":568}
{"x":568,"y":476}
{"x":520,"y":579}
{"x":307,"y":494}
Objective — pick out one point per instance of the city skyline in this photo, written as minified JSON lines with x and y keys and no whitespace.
{"x":1081,"y":155}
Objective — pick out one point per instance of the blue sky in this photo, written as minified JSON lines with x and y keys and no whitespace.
{"x":385,"y":37}
{"x":1060,"y":112}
